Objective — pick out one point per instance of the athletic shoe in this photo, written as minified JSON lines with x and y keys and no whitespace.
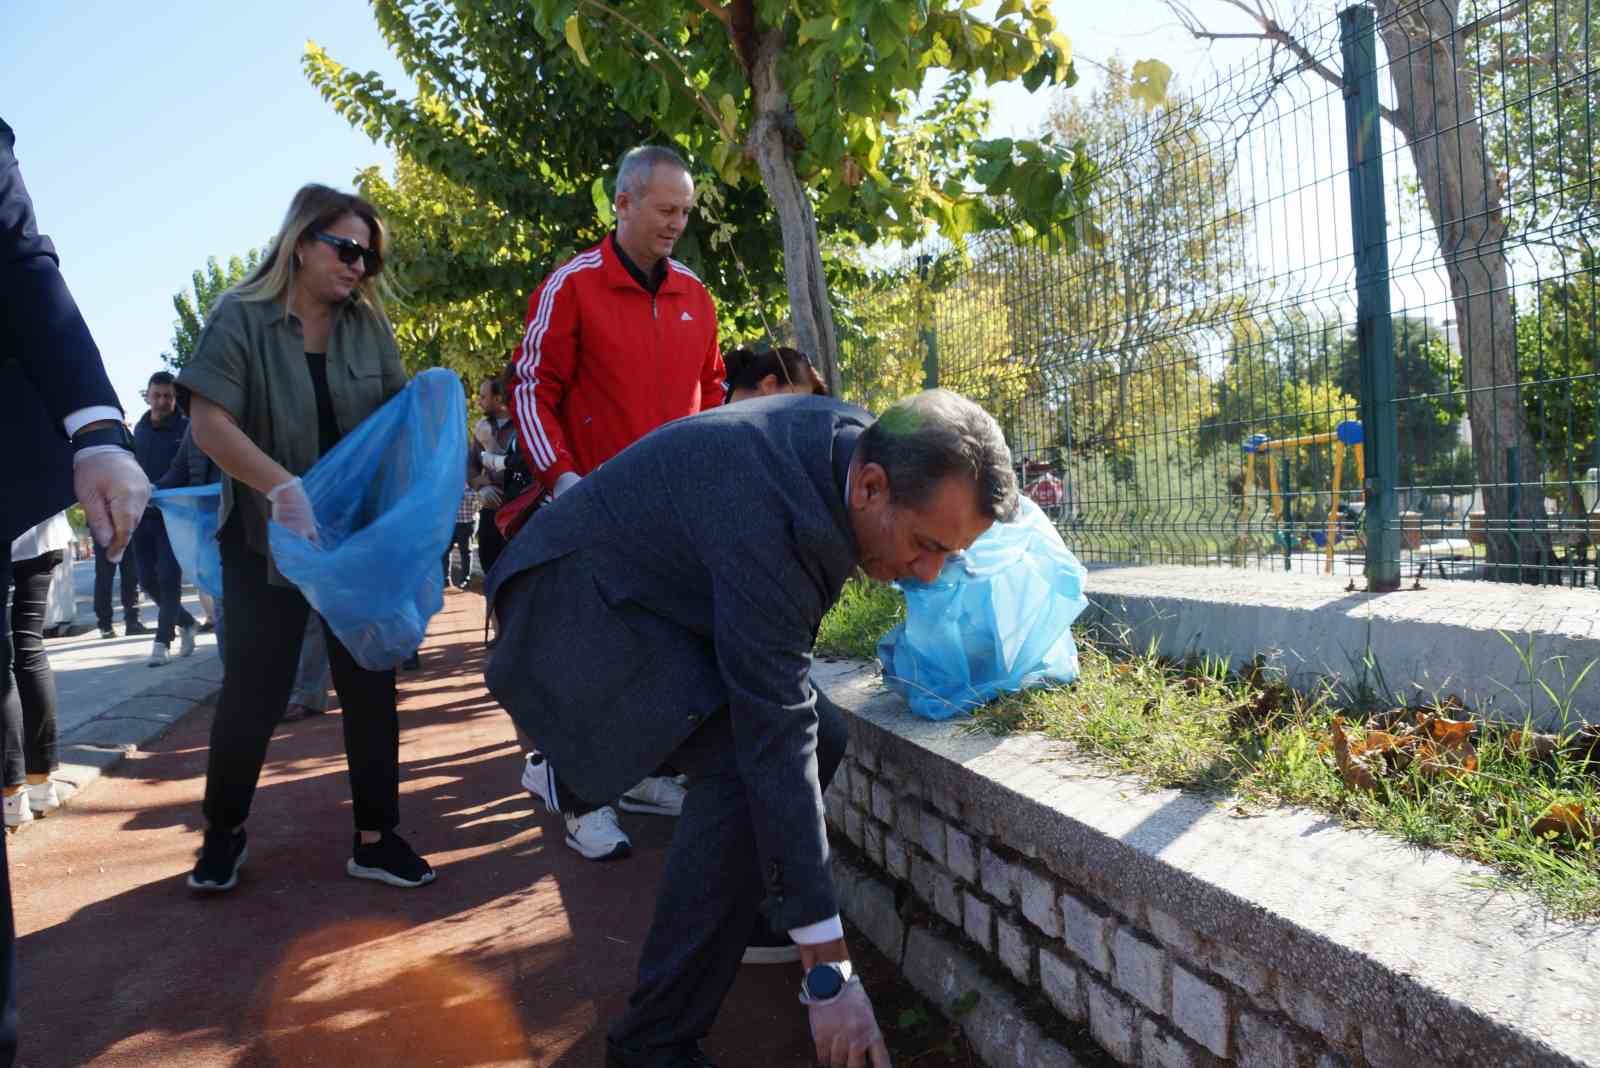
{"x":107,"y":632}
{"x":296,"y":712}
{"x":222,"y":854}
{"x":596,"y":835}
{"x":158,"y":655}
{"x":770,"y":947}
{"x":206,"y":628}
{"x":657,"y":796}
{"x":42,"y":797}
{"x":539,"y":779}
{"x":388,"y":860}
{"x":17,"y":809}
{"x":135,"y":627}
{"x":412,"y":663}
{"x":185,"y":641}
{"x":686,"y":1055}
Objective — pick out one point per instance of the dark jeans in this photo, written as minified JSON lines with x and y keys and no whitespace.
{"x":462,"y":540}
{"x":8,"y":934}
{"x":259,"y":669}
{"x":104,"y":571}
{"x":161,"y":576}
{"x":28,"y":712}
{"x":711,"y":892}
{"x":490,"y":541}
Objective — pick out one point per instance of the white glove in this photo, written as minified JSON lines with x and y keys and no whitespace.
{"x":291,"y":509}
{"x":565,"y":482}
{"x":846,"y":1031}
{"x":490,"y":497}
{"x":494,"y":462}
{"x":114,"y":491}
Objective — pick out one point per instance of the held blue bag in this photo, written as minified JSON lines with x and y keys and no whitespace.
{"x":997,"y":619}
{"x":190,"y":516}
{"x":385,"y":499}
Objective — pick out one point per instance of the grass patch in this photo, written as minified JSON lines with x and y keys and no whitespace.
{"x":1526,"y":804}
{"x":864,"y":613}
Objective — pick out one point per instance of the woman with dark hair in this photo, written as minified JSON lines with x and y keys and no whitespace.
{"x":761,"y":374}
{"x":291,"y":360}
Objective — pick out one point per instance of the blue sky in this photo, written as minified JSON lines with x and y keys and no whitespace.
{"x":182,"y":130}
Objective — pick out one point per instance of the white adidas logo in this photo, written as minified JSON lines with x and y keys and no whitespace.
{"x":686,"y":318}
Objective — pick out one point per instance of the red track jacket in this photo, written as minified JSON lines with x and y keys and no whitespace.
{"x":603,"y":362}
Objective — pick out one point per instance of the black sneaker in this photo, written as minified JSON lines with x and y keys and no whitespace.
{"x":221,"y":856}
{"x":135,"y":628}
{"x":107,"y":632}
{"x":685,"y":1055}
{"x":206,"y":628}
{"x":388,"y":860}
{"x":412,"y":663}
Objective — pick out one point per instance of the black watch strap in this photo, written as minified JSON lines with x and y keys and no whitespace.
{"x":105,"y":435}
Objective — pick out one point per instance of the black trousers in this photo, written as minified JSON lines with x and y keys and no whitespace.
{"x":8,"y":931}
{"x":268,"y":623}
{"x":28,"y":710}
{"x":490,"y":540}
{"x":461,"y":539}
{"x":104,"y":571}
{"x":161,"y":576}
{"x":710,"y":892}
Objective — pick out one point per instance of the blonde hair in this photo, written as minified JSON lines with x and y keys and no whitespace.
{"x":315,"y":207}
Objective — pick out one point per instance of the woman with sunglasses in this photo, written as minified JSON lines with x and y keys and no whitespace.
{"x":761,"y":374}
{"x":290,"y":360}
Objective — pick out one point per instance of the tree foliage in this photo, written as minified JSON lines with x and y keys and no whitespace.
{"x":1558,"y":350}
{"x":194,"y":304}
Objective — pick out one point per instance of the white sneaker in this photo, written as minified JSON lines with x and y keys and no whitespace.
{"x":657,"y":795}
{"x":17,"y":809}
{"x":539,"y":779}
{"x":185,"y":641}
{"x":158,"y":655}
{"x":42,"y":797}
{"x":596,"y":836}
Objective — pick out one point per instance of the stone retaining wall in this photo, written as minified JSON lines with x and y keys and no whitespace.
{"x":1077,"y":906}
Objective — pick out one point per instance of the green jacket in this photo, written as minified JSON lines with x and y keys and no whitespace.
{"x":250,"y":361}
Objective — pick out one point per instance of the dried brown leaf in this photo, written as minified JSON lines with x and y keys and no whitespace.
{"x":1564,"y":821}
{"x":1354,"y":774}
{"x":1541,"y":748}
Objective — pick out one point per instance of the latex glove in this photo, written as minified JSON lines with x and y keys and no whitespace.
{"x":490,"y":497}
{"x":494,"y":462}
{"x":291,"y":509}
{"x":565,"y":482}
{"x":114,"y":491}
{"x":846,"y":1031}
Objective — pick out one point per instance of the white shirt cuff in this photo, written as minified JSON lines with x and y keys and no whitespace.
{"x":828,"y":930}
{"x":84,"y":416}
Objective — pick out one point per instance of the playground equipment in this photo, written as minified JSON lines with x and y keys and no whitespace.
{"x":1346,"y":435}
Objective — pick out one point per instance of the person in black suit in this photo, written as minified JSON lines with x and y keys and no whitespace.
{"x":665,"y":608}
{"x":58,"y":410}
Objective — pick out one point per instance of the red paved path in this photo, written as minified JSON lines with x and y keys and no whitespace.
{"x":518,"y":954}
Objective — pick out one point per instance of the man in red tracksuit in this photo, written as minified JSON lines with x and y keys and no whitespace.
{"x":620,"y":339}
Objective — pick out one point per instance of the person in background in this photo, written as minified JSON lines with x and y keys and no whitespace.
{"x":156,"y":438}
{"x":314,"y":304}
{"x":192,"y":467}
{"x":312,"y":677}
{"x":58,"y":410}
{"x":461,"y":539}
{"x":770,"y":372}
{"x":105,"y":571}
{"x":619,"y":340}
{"x":28,"y":709}
{"x":491,"y":440}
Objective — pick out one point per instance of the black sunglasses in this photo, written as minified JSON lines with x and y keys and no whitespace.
{"x":349,"y":251}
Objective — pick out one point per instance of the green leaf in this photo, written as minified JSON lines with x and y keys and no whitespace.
{"x":812,"y":29}
{"x":999,"y":147}
{"x":1010,"y":7}
{"x":575,"y":39}
{"x":1148,"y":85}
{"x":730,"y":116}
{"x":602,"y":203}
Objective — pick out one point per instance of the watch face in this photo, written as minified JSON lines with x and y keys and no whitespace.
{"x":824,"y":982}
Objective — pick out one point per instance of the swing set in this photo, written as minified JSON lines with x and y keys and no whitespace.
{"x":1346,"y":435}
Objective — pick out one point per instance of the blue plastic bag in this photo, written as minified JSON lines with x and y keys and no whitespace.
{"x":996,"y":620}
{"x":385,"y":499}
{"x":190,"y":515}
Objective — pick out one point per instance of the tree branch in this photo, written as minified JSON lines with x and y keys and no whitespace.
{"x":663,"y":50}
{"x":717,"y":11}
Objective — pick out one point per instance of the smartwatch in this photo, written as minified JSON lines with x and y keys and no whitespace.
{"x":106,"y":435}
{"x":824,"y":982}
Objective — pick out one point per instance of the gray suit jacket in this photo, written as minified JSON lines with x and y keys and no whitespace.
{"x":689,"y":574}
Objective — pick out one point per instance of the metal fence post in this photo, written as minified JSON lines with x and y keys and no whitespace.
{"x":1363,"y":136}
{"x":928,"y":329}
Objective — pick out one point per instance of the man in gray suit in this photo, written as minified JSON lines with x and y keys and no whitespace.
{"x":666,"y":608}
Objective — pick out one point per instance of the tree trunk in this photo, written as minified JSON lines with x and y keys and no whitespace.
{"x":1445,"y":136}
{"x":809,"y":308}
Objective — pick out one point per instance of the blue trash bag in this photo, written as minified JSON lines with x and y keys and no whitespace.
{"x":190,"y":515}
{"x":997,"y":619}
{"x":385,"y":499}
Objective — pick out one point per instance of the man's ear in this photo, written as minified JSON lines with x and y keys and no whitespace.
{"x":871,"y":483}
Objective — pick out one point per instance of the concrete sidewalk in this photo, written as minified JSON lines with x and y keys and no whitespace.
{"x":518,"y":955}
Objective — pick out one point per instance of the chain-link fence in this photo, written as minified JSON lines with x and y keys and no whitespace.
{"x":1251,"y":352}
